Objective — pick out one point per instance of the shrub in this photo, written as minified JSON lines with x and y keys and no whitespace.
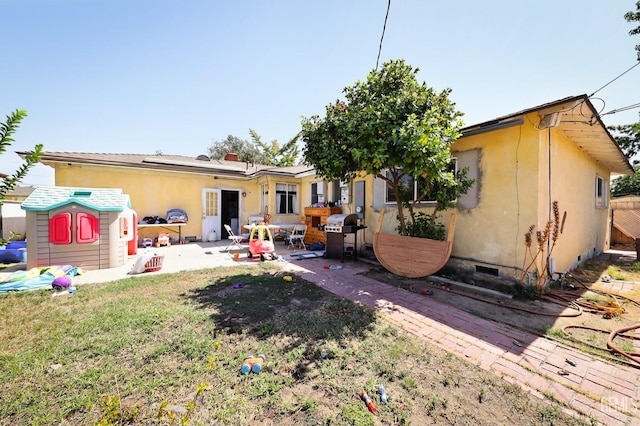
{"x":420,"y":226}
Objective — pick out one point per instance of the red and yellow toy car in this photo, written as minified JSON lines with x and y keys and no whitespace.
{"x":261,"y":243}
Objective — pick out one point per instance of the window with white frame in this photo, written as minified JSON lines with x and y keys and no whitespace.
{"x":318,"y":193}
{"x":601,"y":192}
{"x":286,"y":198}
{"x":414,"y":187}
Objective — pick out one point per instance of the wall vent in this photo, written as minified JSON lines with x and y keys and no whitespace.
{"x":488,"y":271}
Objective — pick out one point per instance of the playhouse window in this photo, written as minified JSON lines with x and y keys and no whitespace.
{"x":87,"y":228}
{"x":123,"y":226}
{"x":60,"y":229}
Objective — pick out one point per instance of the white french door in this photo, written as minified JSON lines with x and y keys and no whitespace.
{"x":211,"y":222}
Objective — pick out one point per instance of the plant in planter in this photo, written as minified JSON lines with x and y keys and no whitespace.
{"x":420,"y":225}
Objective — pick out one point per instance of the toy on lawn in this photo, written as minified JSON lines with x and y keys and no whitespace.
{"x":247,"y":365}
{"x":261,"y":243}
{"x":252,"y":364}
{"x":368,"y":402}
{"x":257,"y":363}
{"x":63,"y":282}
{"x":382,"y":392}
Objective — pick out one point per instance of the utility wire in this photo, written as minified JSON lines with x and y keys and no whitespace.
{"x":384,"y":27}
{"x":637,"y":63}
{"x":613,"y":111}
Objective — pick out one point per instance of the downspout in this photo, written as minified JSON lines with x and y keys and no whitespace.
{"x":550,"y":202}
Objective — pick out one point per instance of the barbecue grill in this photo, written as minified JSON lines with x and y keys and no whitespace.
{"x":341,"y":223}
{"x":337,"y":227}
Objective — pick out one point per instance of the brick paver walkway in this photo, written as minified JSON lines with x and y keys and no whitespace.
{"x":594,"y":388}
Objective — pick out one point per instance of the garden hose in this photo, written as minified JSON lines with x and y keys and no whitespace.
{"x":618,"y":333}
{"x":632,"y":356}
{"x":608,"y":310}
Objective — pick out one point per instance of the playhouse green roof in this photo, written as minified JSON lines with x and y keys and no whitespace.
{"x":45,"y":198}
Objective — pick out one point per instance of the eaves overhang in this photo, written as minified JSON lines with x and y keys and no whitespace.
{"x":137,"y":162}
{"x":578,"y":120}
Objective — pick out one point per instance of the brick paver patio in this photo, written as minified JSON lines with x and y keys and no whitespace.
{"x":593,"y":388}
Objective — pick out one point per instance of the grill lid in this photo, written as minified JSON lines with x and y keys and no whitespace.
{"x":342,"y":220}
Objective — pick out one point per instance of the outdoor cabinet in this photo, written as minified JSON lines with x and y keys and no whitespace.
{"x":315,"y":216}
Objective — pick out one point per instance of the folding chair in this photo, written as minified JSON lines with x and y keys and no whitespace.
{"x":234,"y":240}
{"x":297,"y":237}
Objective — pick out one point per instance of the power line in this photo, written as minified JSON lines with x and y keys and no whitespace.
{"x":384,"y":27}
{"x":637,"y":63}
{"x":613,"y":111}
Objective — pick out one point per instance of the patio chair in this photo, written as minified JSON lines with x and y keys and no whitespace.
{"x":296,"y":239}
{"x":234,"y":240}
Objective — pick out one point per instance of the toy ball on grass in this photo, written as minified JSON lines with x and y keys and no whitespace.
{"x":287,"y":278}
{"x":61,"y":282}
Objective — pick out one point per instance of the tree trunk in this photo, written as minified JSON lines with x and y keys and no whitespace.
{"x":403,"y":225}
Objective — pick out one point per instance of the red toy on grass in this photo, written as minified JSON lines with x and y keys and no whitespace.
{"x":261,"y":243}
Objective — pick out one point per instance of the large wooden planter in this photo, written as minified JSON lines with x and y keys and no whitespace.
{"x":412,"y":257}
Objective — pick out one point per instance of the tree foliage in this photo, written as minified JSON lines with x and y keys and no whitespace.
{"x":7,"y":130}
{"x":275,"y":155}
{"x":628,"y":138}
{"x":245,"y":150}
{"x":390,"y":126}
{"x":257,"y":151}
{"x":626,"y":185}
{"x":632,"y":16}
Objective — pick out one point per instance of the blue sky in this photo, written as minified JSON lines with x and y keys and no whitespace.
{"x":175,"y":76}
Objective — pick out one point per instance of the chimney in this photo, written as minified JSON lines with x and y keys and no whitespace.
{"x":231,"y":157}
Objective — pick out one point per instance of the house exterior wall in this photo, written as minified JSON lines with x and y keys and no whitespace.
{"x":303,"y":192}
{"x":518,"y":176}
{"x":520,"y":170}
{"x":573,"y":173}
{"x":154,"y":192}
{"x":491,"y":234}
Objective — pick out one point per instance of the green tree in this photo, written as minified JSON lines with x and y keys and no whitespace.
{"x":246,"y":150}
{"x":7,"y":130}
{"x":393,"y":127}
{"x":634,"y":17}
{"x":626,"y":185}
{"x":256,"y":151}
{"x":628,"y":138}
{"x":284,"y":156}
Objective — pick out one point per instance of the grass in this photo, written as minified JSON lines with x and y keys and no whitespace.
{"x":167,"y":349}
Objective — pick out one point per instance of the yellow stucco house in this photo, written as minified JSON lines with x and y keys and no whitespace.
{"x":522,"y":162}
